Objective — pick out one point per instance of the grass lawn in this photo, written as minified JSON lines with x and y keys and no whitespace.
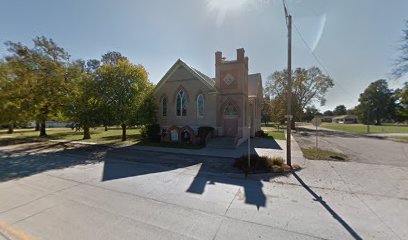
{"x":272,"y":126}
{"x":362,"y":129}
{"x":321,"y":154}
{"x":98,"y":135}
{"x":277,"y":135}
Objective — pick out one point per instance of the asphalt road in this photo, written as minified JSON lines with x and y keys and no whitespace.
{"x":57,"y":191}
{"x":359,"y":148}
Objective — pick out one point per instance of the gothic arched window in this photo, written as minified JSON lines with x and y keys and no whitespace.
{"x":230,"y":110}
{"x":181,"y":105}
{"x":200,"y":105}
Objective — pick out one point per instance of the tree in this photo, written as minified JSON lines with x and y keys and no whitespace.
{"x":83,"y":106}
{"x":266,"y":111}
{"x":145,"y":109}
{"x":401,"y":96}
{"x":328,"y":113}
{"x":40,"y":76}
{"x":10,"y":103}
{"x":310,"y":113}
{"x":309,"y":86}
{"x":340,"y":110}
{"x":351,"y":111}
{"x":278,"y":105}
{"x":401,"y":64}
{"x":122,"y":89}
{"x":112,"y":57}
{"x":376,"y":103}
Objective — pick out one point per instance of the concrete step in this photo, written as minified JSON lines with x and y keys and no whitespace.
{"x":221,"y":143}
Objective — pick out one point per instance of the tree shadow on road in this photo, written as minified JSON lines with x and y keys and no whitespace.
{"x":40,"y":157}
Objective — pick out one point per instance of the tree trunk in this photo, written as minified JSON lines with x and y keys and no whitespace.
{"x":37,"y":126}
{"x":87,"y":133}
{"x":378,"y":121}
{"x":123,"y":132}
{"x":106,"y":128}
{"x":43,"y":133}
{"x":10,"y":128}
{"x":292,"y":124}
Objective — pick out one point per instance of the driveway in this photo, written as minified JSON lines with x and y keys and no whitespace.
{"x":62,"y":191}
{"x":359,"y":148}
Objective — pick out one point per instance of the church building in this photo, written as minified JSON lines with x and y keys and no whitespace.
{"x":230,"y":103}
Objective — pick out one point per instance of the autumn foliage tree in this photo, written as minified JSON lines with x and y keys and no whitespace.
{"x":401,"y":63}
{"x":309,"y":86}
{"x":376,"y":103}
{"x":83,"y":106}
{"x":40,"y":83}
{"x":11,"y":103}
{"x":122,"y":87}
{"x":39,"y":78}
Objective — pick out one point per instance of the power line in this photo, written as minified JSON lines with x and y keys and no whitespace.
{"x":318,"y":60}
{"x":314,"y":55}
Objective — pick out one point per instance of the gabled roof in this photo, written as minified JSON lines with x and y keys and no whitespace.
{"x":344,"y":116}
{"x":199,"y":75}
{"x":254,"y":80}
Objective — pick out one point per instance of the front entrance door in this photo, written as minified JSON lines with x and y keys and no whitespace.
{"x":230,"y":127}
{"x":230,"y":120}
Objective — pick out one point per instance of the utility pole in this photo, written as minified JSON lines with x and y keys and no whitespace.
{"x":289,"y":88}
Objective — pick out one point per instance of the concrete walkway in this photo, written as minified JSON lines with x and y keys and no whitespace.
{"x":388,"y":134}
{"x":261,"y":146}
{"x":313,"y":128}
{"x":274,"y":145}
{"x":78,"y":194}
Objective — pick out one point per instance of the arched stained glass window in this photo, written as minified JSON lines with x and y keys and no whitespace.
{"x":164,"y":107}
{"x":181,"y":105}
{"x":200,"y":105}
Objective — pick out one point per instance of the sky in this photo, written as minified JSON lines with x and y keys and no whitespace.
{"x":355,"y":42}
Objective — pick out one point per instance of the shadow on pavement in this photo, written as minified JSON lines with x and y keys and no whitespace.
{"x":252,"y":187}
{"x":266,"y":142}
{"x":41,"y":157}
{"x":122,"y":162}
{"x":319,"y":199}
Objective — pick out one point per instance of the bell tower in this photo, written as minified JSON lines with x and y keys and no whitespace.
{"x":232,"y":75}
{"x":232,"y":101}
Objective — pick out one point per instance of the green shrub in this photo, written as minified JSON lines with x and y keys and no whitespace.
{"x":203,"y":133}
{"x":151,"y":132}
{"x":260,"y":133}
{"x":277,"y":169}
{"x":277,"y":161}
{"x":259,"y":163}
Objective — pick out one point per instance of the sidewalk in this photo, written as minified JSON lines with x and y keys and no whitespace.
{"x":258,"y":145}
{"x":313,"y":128}
{"x":261,"y":146}
{"x":387,"y":134}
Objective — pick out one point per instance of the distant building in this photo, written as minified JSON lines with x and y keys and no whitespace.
{"x":229,"y":103}
{"x":328,"y":119}
{"x":51,"y":124}
{"x":346,"y":119}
